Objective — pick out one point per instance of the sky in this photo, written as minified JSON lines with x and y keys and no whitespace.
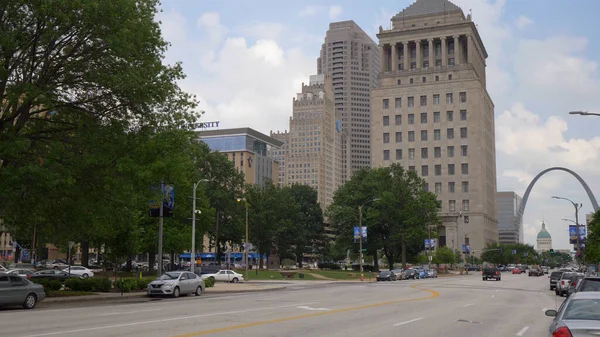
{"x":246,"y":60}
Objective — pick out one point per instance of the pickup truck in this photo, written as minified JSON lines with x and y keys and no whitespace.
{"x":490,"y":273}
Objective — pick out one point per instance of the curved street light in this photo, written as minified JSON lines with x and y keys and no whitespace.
{"x":360,"y":240}
{"x":577,"y":208}
{"x":193,"y":252}
{"x":584,"y":113}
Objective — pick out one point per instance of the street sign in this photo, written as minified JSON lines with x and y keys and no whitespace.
{"x":430,"y":258}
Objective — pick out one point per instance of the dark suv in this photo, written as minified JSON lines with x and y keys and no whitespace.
{"x":490,"y":273}
{"x":554,"y":277}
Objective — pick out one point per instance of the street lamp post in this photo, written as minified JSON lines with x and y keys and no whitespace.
{"x":246,"y":240}
{"x":584,"y":113}
{"x":360,"y":240}
{"x":193,"y":252}
{"x":577,"y":208}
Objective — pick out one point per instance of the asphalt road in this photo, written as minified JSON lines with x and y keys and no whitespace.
{"x":453,"y":306}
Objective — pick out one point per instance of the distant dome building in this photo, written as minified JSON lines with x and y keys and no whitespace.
{"x":544,"y":239}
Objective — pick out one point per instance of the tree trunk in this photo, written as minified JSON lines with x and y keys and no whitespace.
{"x":85,"y":253}
{"x":260,"y":259}
{"x":375,"y":262}
{"x":172,"y":264}
{"x":151,"y":260}
{"x":403,"y":253}
{"x":390,"y":258}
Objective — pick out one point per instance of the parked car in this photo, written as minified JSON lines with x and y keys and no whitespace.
{"x":176,"y":283}
{"x":490,"y":273}
{"x":516,"y":271}
{"x":432,"y":273}
{"x":81,"y":271}
{"x":589,"y":283}
{"x":554,"y":277}
{"x":225,"y":275}
{"x":577,"y":316}
{"x":386,"y":276}
{"x":17,"y":290}
{"x":535,"y":271}
{"x":573,"y":284}
{"x":399,"y":274}
{"x":21,"y":272}
{"x":52,"y":274}
{"x":411,"y":274}
{"x":562,"y":286}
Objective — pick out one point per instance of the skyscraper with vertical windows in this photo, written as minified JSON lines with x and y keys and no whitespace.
{"x":432,"y":113}
{"x":351,"y":57}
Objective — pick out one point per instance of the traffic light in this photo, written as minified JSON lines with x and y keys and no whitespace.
{"x":551,"y":251}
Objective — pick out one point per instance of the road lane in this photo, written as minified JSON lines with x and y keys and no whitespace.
{"x":463,"y":306}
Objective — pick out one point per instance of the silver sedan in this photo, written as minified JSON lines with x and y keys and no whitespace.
{"x":175,"y":283}
{"x":16,"y":290}
{"x":578,"y":316}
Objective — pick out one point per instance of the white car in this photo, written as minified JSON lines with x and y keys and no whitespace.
{"x":81,"y":271}
{"x":225,"y":276}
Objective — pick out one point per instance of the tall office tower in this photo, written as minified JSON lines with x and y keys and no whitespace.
{"x":351,"y":57}
{"x":509,"y":232}
{"x":310,"y":152}
{"x":433,"y":114}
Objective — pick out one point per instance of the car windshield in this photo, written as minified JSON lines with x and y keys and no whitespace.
{"x":384,"y":273}
{"x":583,"y":309}
{"x":590,"y":284}
{"x":169,"y":276}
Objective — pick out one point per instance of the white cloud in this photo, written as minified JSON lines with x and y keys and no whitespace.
{"x":173,"y":27}
{"x":211,"y":24}
{"x":522,"y":22}
{"x":263,"y":30}
{"x":335,"y":12}
{"x":310,"y":10}
{"x":382,"y":19}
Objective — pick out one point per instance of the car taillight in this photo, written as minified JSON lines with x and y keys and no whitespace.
{"x":574,"y":283}
{"x":482,"y":273}
{"x":496,"y":273}
{"x":563,"y":331}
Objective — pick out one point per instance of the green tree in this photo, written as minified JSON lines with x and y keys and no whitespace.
{"x":398,"y":217}
{"x":592,"y":246}
{"x":445,"y":255}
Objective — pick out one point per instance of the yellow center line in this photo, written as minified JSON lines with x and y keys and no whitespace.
{"x":434,"y":294}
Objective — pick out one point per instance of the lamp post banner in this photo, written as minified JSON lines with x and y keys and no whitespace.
{"x":573,"y":234}
{"x":168,"y":203}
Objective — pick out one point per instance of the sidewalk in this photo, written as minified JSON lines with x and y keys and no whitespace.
{"x":219,"y":288}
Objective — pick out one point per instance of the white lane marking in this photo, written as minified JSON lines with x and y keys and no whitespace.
{"x":160,"y":320}
{"x":497,"y":290}
{"x":522,"y":331}
{"x":313,"y":309}
{"x":468,"y":305}
{"x":412,"y":320}
{"x":128,"y":312}
{"x":493,"y":296}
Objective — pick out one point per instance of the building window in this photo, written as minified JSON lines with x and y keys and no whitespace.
{"x":438,"y":188}
{"x":398,"y":154}
{"x":386,"y":103}
{"x":411,"y":136}
{"x":449,"y":77}
{"x":436,"y":117}
{"x":386,"y":154}
{"x":437,"y":77}
{"x":451,"y":187}
{"x":450,"y":151}
{"x":424,"y":170}
{"x":452,"y":205}
{"x":386,"y":120}
{"x":386,"y":138}
{"x":465,"y":205}
{"x":465,"y":187}
{"x":464,"y":150}
{"x":463,"y":132}
{"x":451,"y":61}
{"x":463,"y":97}
{"x":463,"y":115}
{"x":436,"y":134}
{"x":449,"y":98}
{"x":398,"y":137}
{"x":436,"y":99}
{"x":424,"y":153}
{"x":437,"y":152}
{"x":424,"y":100}
{"x":411,"y":118}
{"x":401,"y":68}
{"x":423,"y":135}
{"x":398,"y":119}
{"x":451,"y":169}
{"x":449,"y":116}
{"x":450,"y":133}
{"x":426,"y":187}
{"x":464,"y":168}
{"x":398,"y":102}
{"x":412,"y":168}
{"x":411,"y":67}
{"x":411,"y":102}
{"x":423,"y":117}
{"x":438,"y":170}
{"x":425,"y":65}
{"x":411,"y":153}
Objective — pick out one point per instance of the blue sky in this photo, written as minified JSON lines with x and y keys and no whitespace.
{"x":245,"y":61}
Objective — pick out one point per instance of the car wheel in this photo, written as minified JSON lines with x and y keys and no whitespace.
{"x":176,"y":292}
{"x":199,"y":291}
{"x":556,"y":292}
{"x":30,"y":301}
{"x":85,"y":276}
{"x":483,"y":279}
{"x":235,"y":280}
{"x":56,"y":267}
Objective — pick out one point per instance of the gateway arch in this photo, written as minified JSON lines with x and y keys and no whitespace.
{"x":530,"y":187}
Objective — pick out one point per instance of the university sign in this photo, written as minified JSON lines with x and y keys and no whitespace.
{"x":207,"y":125}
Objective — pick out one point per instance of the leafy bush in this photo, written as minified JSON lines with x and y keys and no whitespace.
{"x":209,"y":282}
{"x":329,"y":265}
{"x":287,"y":263}
{"x":89,"y":284}
{"x":52,"y":285}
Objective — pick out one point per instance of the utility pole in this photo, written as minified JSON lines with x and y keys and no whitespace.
{"x":360,"y":231}
{"x":160,"y":231}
